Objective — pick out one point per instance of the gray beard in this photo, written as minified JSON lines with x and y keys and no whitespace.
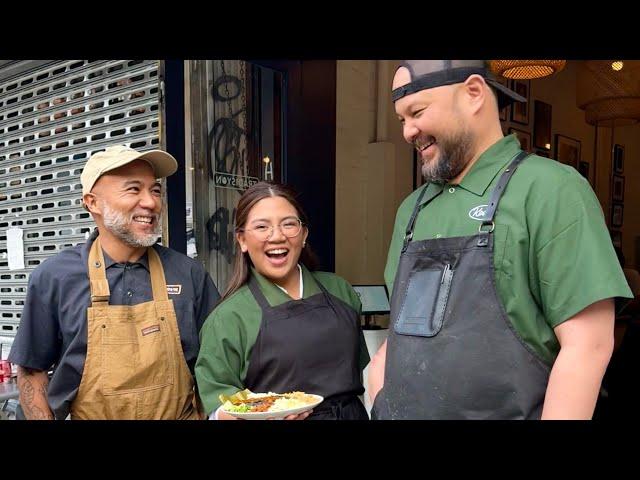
{"x":454,"y":156}
{"x":118,"y":224}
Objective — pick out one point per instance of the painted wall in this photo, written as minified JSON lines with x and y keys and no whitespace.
{"x":373,"y":169}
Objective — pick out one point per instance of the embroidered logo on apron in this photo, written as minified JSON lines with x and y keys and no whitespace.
{"x":174,"y":289}
{"x":151,"y":329}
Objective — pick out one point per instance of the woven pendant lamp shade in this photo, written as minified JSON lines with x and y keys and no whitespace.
{"x":526,"y":69}
{"x":608,"y":97}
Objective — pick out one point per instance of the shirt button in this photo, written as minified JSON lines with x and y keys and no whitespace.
{"x":452,"y":190}
{"x":129,"y":293}
{"x":438,"y":235}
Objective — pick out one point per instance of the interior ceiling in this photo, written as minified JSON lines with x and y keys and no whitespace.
{"x":629,"y":65}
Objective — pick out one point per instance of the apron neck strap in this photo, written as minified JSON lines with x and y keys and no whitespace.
{"x":97,"y":276}
{"x":326,"y":294}
{"x":257,"y":292}
{"x":412,"y":221}
{"x":158,"y":282}
{"x":487,"y":224}
{"x":319,"y":283}
{"x":99,"y":285}
{"x":262,"y":301}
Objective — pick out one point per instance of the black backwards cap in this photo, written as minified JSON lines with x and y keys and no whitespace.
{"x":437,"y":73}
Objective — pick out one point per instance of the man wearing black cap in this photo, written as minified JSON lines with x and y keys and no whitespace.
{"x":502,"y":270}
{"x":117,"y":318}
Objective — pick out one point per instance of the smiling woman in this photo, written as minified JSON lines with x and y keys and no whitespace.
{"x":274,"y":248}
{"x":282,"y":326}
{"x":271,"y":230}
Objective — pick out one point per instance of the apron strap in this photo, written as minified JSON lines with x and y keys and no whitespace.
{"x":98,"y":276}
{"x":262,"y":301}
{"x":416,"y":209}
{"x":326,"y":294}
{"x":487,"y":225}
{"x":99,"y":285}
{"x":257,"y":293}
{"x":499,"y":189}
{"x":319,"y":283}
{"x":158,"y":282}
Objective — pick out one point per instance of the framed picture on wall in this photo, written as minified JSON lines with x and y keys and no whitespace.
{"x":523,"y":137}
{"x":568,"y":150}
{"x":617,"y":190}
{"x":542,"y":125}
{"x":520,"y":110}
{"x":617,"y":215}
{"x":618,"y":159}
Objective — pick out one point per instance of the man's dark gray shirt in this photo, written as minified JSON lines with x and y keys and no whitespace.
{"x":53,"y":328}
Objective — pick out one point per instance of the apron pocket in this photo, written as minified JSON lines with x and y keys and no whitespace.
{"x":424,"y":302}
{"x":136,"y":357}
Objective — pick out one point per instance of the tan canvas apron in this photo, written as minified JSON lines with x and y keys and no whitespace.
{"x":135,"y":367}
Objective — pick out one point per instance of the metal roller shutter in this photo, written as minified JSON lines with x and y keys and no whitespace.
{"x":53,"y":117}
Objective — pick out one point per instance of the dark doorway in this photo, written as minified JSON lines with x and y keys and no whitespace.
{"x":307,"y":123}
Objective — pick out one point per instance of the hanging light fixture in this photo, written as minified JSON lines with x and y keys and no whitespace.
{"x":526,"y":69}
{"x":609,"y":93}
{"x":617,"y":65}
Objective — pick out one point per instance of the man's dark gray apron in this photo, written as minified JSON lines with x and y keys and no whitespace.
{"x":452,"y":352}
{"x":309,"y":345}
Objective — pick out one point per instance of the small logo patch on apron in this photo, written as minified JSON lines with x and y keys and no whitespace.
{"x":151,"y":329}
{"x":174,"y":289}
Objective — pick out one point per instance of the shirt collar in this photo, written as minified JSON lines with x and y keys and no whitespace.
{"x":276,"y":295}
{"x":490,"y":163}
{"x":108,"y":261}
{"x":301,"y":284}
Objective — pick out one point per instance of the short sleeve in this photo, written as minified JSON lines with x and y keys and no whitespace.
{"x":37,"y":343}
{"x":574,"y":262}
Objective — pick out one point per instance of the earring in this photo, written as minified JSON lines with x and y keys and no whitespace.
{"x":304,"y":244}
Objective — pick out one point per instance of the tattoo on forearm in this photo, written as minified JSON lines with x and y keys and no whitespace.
{"x":27,"y":392}
{"x":30,"y":394}
{"x":38,"y":414}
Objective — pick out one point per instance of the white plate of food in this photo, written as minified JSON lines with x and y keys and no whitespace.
{"x":261,"y":406}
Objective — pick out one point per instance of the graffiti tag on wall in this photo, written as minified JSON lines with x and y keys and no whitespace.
{"x":229,"y":165}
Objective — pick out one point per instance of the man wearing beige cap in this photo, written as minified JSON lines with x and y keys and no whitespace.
{"x":117,"y":319}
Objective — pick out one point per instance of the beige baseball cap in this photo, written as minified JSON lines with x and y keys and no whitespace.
{"x":163,"y":163}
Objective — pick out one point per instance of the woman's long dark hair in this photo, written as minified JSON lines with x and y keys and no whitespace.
{"x":251,"y":196}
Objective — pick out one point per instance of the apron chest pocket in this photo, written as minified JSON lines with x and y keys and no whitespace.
{"x":136,"y":356}
{"x":424,"y":303}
